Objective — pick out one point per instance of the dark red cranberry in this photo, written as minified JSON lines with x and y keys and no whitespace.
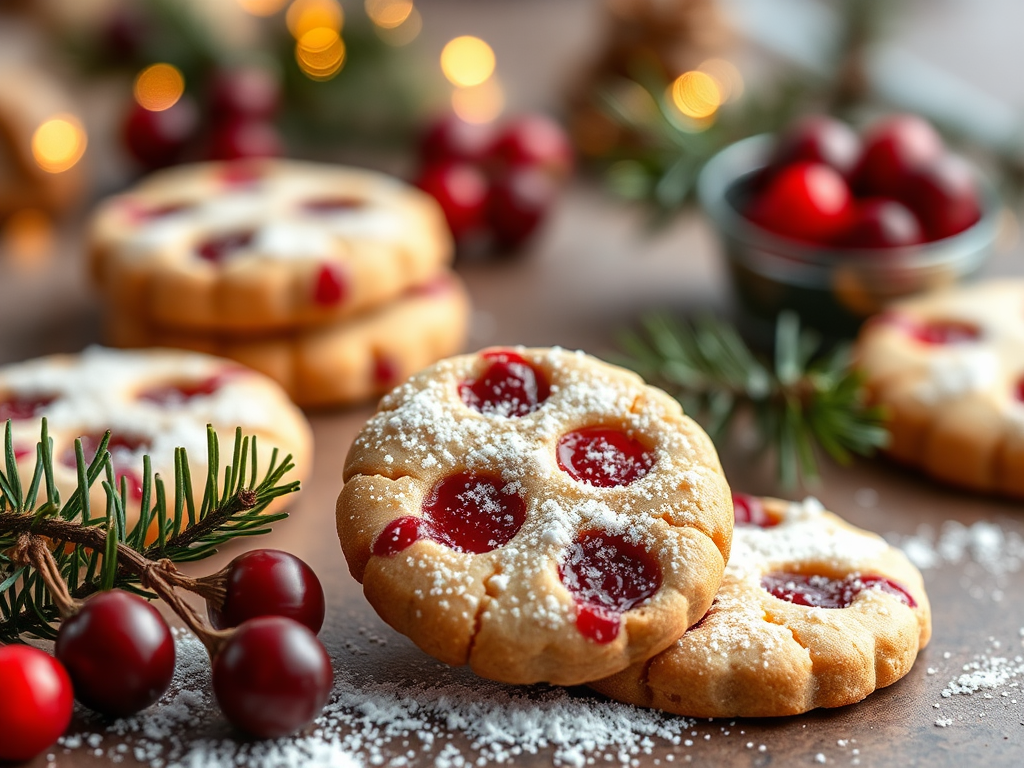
{"x":603,"y":457}
{"x":472,"y":512}
{"x":536,"y":141}
{"x":269,"y":582}
{"x":18,"y":407}
{"x":749,"y":510}
{"x":817,"y":591}
{"x":517,"y":203}
{"x":272,"y":677}
{"x":893,"y":149}
{"x":881,"y":223}
{"x":510,"y":386}
{"x":331,"y":285}
{"x":36,"y":704}
{"x":171,"y":395}
{"x":247,"y":91}
{"x":607,"y":576}
{"x":818,"y":139}
{"x":118,"y":651}
{"x":158,"y":139}
{"x":241,"y":138}
{"x":452,"y":138}
{"x":461,"y":191}
{"x":944,"y":195}
{"x":806,"y":201}
{"x":219,"y":247}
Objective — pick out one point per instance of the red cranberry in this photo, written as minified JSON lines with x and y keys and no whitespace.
{"x":461,"y":191}
{"x":452,"y":138}
{"x":817,"y":591}
{"x":534,"y":140}
{"x":219,"y":247}
{"x":510,"y":386}
{"x":944,"y":195}
{"x":269,"y":582}
{"x":272,"y":677}
{"x":893,"y":149}
{"x":36,"y":704}
{"x":247,"y":91}
{"x":244,"y":137}
{"x":158,"y":139}
{"x":517,"y":203}
{"x":749,"y":510}
{"x":818,"y":139}
{"x":472,"y":512}
{"x":119,"y":652}
{"x":806,"y":201}
{"x":18,"y":407}
{"x":603,"y":457}
{"x":881,"y":223}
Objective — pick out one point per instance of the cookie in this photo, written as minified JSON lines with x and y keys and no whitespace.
{"x":265,"y":245}
{"x":535,"y":513}
{"x":345,"y":362}
{"x":152,"y":401}
{"x":812,"y":612}
{"x":949,"y":370}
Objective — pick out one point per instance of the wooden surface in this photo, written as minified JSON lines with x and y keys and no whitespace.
{"x":591,"y":271}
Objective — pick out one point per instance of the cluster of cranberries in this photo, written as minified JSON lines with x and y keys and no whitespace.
{"x":115,"y":655}
{"x":896,"y":186}
{"x":236,"y":121}
{"x":494,"y":183}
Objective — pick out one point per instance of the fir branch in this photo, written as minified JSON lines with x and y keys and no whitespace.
{"x":800,"y":402}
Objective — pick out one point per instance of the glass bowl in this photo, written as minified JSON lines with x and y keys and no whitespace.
{"x":832,"y":289}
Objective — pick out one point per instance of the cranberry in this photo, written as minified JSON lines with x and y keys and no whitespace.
{"x":881,"y":223}
{"x":452,"y":138}
{"x":472,"y":512}
{"x":272,"y":677}
{"x":248,"y":91}
{"x":537,"y":141}
{"x":243,"y":137}
{"x":806,"y":201}
{"x":818,"y":591}
{"x":172,"y":395}
{"x":510,"y":386}
{"x":36,"y":704}
{"x":517,"y":203}
{"x":158,"y":139}
{"x":893,"y":149}
{"x":461,"y":191}
{"x":331,"y":285}
{"x":818,"y":139}
{"x":749,"y":510}
{"x":603,"y":457}
{"x":607,"y":576}
{"x":219,"y":247}
{"x":944,"y":195}
{"x":119,"y":652}
{"x":18,"y":407}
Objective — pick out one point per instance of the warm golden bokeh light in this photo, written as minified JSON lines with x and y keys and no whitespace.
{"x":158,"y":87}
{"x":479,"y":103}
{"x":27,"y":238}
{"x":696,"y":94}
{"x":262,"y":7}
{"x":404,"y":33}
{"x":320,"y":53}
{"x":306,"y":15}
{"x":59,"y":143}
{"x":388,"y":14}
{"x":726,"y":76}
{"x":467,"y":61}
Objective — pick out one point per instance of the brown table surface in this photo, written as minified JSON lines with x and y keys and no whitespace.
{"x":592,"y":271}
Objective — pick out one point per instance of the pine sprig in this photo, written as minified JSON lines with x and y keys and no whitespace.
{"x":800,"y":401}
{"x":101,"y":552}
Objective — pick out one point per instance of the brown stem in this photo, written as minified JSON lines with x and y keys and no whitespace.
{"x":160,"y":577}
{"x":32,"y":549}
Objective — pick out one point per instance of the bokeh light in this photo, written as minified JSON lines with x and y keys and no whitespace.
{"x":388,"y":14}
{"x":467,"y":61}
{"x":306,"y":15}
{"x":320,"y":53}
{"x":404,"y":33}
{"x":262,"y":7}
{"x":158,"y":87}
{"x":479,"y":103}
{"x":696,"y":94}
{"x":59,"y":143}
{"x":726,"y":76}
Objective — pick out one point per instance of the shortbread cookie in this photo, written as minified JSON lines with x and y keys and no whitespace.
{"x":264,"y":245}
{"x":812,"y":612}
{"x":535,"y":513}
{"x":152,"y":402}
{"x":949,"y":369}
{"x":345,"y":362}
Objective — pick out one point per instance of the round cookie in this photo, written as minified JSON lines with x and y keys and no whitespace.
{"x":812,"y":612}
{"x":152,"y":401}
{"x":949,"y":369}
{"x":535,"y":513}
{"x":345,"y":362}
{"x":264,"y":245}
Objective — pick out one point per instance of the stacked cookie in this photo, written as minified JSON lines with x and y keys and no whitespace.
{"x":333,"y":281}
{"x":544,"y":516}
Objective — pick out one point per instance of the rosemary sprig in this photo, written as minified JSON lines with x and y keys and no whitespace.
{"x":799,"y":401}
{"x":100,"y":552}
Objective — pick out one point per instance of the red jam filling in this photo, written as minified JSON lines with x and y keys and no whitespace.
{"x":825,"y":592}
{"x":1018,"y":391}
{"x":333,"y":204}
{"x":607,"y":576}
{"x":218,"y":248}
{"x":20,"y":407}
{"x":603,"y":457}
{"x":467,"y":512}
{"x":21,"y":451}
{"x":946,"y":332}
{"x":749,"y":510}
{"x":124,"y":450}
{"x":241,"y":174}
{"x":385,"y":370}
{"x":176,"y":394}
{"x":510,"y":386}
{"x":330,"y":286}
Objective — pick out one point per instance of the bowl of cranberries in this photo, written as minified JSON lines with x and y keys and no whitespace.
{"x":835,"y":225}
